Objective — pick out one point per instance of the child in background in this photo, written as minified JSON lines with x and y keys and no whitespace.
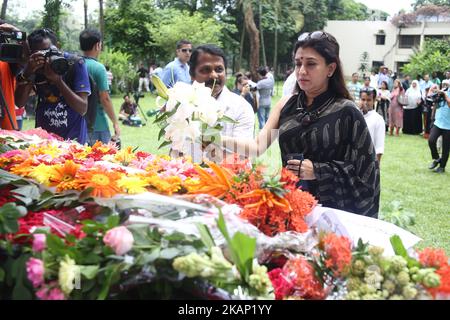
{"x":375,"y":122}
{"x":20,"y":113}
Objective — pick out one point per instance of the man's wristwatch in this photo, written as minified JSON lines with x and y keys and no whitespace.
{"x":21,"y":79}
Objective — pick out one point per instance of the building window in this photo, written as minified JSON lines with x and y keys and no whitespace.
{"x":381,"y":39}
{"x":408,"y":42}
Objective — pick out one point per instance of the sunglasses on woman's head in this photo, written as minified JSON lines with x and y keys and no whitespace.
{"x":317,"y":35}
{"x":368,"y":90}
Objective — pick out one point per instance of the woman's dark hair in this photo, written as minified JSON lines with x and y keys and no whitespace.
{"x":385,"y":83}
{"x":328,"y":48}
{"x":239,"y":80}
{"x":89,"y":38}
{"x":205,"y":48}
{"x":37,"y":36}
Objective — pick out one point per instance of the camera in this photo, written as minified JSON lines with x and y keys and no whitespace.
{"x":58,"y":63}
{"x":11,"y":52}
{"x":435,"y":98}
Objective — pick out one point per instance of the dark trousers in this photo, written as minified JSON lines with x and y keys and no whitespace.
{"x":434,"y":135}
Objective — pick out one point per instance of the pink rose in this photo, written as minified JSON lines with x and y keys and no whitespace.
{"x":35,"y":271}
{"x":39,"y":242}
{"x":53,"y":294}
{"x":120,"y":239}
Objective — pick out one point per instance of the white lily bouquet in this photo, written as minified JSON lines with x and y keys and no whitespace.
{"x":190,"y":113}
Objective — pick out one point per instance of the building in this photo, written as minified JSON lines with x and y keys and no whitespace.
{"x":376,"y":43}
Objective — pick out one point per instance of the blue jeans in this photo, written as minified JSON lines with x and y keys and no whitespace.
{"x":103,"y":136}
{"x":263,"y":115}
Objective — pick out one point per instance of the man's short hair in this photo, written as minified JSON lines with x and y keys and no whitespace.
{"x":183,"y":42}
{"x":262,"y":71}
{"x":205,"y":48}
{"x":89,"y":38}
{"x":126,"y":95}
{"x":39,"y":35}
{"x":354,"y":74}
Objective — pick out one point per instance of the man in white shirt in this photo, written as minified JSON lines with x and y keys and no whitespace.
{"x":375,"y":122}
{"x":208,"y":65}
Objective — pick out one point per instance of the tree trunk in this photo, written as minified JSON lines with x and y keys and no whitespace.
{"x":101,"y":18}
{"x":4,"y":6}
{"x":241,"y":51}
{"x":263,"y":47}
{"x":86,"y":14}
{"x":253,"y":33}
{"x":275,"y":51}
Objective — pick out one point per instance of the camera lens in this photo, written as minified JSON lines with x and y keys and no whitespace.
{"x":59,"y":65}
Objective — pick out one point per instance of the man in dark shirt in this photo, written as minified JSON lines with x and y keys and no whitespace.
{"x":143,"y":79}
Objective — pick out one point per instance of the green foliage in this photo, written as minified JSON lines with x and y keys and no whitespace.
{"x":9,"y":214}
{"x":173,"y":25}
{"x":433,"y":57}
{"x":421,"y":3}
{"x":396,"y":214}
{"x":124,"y":27}
{"x":120,"y":66}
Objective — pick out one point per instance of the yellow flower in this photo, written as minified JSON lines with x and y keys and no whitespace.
{"x":167,"y":186}
{"x":192,"y":184}
{"x":133,"y":184}
{"x":68,"y":271}
{"x":42,"y":173}
{"x":63,"y":175}
{"x":125,"y":156}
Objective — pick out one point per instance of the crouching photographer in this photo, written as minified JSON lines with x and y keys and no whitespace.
{"x":11,"y":53}
{"x":440,"y":99}
{"x":61,"y":83}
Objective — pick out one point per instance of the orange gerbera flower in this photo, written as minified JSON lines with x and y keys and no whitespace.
{"x":63,"y":176}
{"x":104,"y":183}
{"x":24,"y":168}
{"x":217,"y":184}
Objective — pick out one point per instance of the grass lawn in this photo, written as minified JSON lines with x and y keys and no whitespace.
{"x":404,"y":175}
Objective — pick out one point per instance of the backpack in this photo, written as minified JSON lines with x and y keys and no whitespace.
{"x":93,"y":98}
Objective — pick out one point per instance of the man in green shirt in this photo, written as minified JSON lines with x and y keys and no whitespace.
{"x":91,"y":45}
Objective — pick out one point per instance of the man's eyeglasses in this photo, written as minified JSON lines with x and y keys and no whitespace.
{"x":186,"y":50}
{"x":317,"y":35}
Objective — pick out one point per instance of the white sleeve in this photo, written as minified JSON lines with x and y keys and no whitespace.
{"x":245,"y":125}
{"x":379,"y":136}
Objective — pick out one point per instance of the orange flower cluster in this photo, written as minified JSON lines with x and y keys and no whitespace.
{"x":338,"y":251}
{"x":273,"y":207}
{"x":302,"y":274}
{"x":433,"y":258}
{"x":436,"y":258}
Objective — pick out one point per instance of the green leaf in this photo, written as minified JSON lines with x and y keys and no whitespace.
{"x":242,"y":248}
{"x":2,"y":275}
{"x":205,"y":235}
{"x":89,"y":271}
{"x":164,"y":144}
{"x":86,"y":194}
{"x":29,"y":191}
{"x":398,"y":246}
{"x":161,"y":133}
{"x":169,"y":253}
{"x":227,"y":119}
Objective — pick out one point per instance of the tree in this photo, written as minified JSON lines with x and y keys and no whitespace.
{"x":173,"y":25}
{"x":52,"y":14}
{"x":253,"y":32}
{"x":420,"y":3}
{"x":364,"y":62}
{"x":125,"y":27}
{"x":434,"y":57}
{"x":4,"y":6}
{"x":85,"y":7}
{"x":101,"y":17}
